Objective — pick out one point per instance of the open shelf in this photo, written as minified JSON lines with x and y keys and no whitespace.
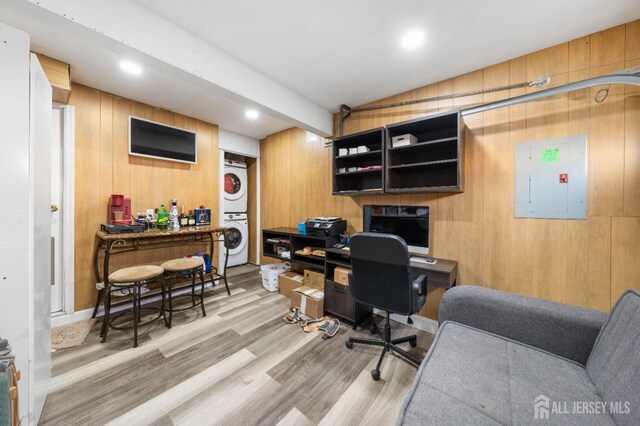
{"x":375,"y":153}
{"x":434,"y":163}
{"x":359,"y":182}
{"x":355,"y":172}
{"x":419,"y":146}
{"x":339,"y":262}
{"x":298,"y":241}
{"x":423,"y":164}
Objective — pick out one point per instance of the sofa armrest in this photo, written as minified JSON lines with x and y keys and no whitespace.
{"x":564,"y":330}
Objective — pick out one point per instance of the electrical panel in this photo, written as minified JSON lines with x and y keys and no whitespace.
{"x":551,"y":178}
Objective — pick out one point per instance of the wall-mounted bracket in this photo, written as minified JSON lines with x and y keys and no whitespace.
{"x":345,"y":112}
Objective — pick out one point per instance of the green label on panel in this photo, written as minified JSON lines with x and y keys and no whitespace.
{"x":550,"y":155}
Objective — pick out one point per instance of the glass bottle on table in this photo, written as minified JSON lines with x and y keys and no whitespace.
{"x":191,"y":218}
{"x":163,"y":219}
{"x":183,"y":218}
{"x":174,"y":223}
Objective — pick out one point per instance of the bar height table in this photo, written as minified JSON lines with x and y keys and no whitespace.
{"x":112,"y":244}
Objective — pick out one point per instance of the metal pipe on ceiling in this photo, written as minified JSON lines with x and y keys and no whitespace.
{"x":630,"y":76}
{"x":617,"y":78}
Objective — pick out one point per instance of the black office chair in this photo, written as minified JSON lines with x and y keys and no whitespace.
{"x":381,"y":277}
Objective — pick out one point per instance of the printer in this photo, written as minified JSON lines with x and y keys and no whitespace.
{"x":325,"y":226}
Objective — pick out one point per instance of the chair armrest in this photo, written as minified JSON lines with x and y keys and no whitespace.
{"x":420,"y":284}
{"x":564,"y":330}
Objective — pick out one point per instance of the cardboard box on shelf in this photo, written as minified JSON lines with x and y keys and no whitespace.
{"x":289,"y":281}
{"x":314,"y":279}
{"x":341,"y":275}
{"x":309,"y":300}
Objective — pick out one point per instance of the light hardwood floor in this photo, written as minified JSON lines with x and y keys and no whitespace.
{"x":241,"y":364}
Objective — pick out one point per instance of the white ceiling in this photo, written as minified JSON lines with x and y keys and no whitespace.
{"x":293,"y":60}
{"x":337,"y":51}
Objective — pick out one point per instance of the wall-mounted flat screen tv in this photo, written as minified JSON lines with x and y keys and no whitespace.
{"x":155,"y":140}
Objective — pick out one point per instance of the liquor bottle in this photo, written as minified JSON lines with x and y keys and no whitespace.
{"x":192,"y":218}
{"x":174,"y":223}
{"x":163,"y":218}
{"x":183,"y":219}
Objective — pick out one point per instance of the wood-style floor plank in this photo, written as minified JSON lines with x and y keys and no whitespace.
{"x":241,"y":364}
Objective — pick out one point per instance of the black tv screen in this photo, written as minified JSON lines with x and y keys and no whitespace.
{"x":150,"y":139}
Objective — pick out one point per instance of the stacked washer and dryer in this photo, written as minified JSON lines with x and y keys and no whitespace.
{"x":235,"y":211}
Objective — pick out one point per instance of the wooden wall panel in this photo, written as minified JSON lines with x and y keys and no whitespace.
{"x":252,"y":206}
{"x":586,"y":263}
{"x":59,"y":76}
{"x":103,"y":167}
{"x":89,"y":208}
{"x":625,"y":252}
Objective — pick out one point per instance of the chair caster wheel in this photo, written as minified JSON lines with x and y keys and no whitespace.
{"x":373,"y":329}
{"x":413,"y":343}
{"x":348,"y":344}
{"x":375,"y":375}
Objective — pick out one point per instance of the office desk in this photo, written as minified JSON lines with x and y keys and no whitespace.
{"x":339,"y":299}
{"x":112,"y":244}
{"x":443,"y":273}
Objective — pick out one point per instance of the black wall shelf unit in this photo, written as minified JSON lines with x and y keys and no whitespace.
{"x":434,"y":163}
{"x":359,"y":173}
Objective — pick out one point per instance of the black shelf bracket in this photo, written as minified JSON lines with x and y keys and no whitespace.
{"x":345,"y":112}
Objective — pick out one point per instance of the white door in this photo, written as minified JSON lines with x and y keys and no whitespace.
{"x":40,"y":255}
{"x":57,"y":173}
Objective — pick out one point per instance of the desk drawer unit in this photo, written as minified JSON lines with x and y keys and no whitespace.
{"x":339,"y":301}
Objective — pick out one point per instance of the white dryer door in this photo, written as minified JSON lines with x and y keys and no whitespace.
{"x":238,"y":233}
{"x":235,"y":183}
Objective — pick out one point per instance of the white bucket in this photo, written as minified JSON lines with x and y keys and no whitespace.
{"x":270,"y":274}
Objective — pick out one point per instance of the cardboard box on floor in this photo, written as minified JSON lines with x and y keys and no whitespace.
{"x":314,"y":279}
{"x":309,"y":300}
{"x":288,"y":281}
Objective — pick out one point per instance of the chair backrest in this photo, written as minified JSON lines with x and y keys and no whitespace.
{"x":614,"y":363}
{"x":382,"y":272}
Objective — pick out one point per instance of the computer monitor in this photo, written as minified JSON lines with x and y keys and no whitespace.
{"x":411,"y":223}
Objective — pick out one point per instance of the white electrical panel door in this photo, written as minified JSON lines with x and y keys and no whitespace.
{"x":551,"y":178}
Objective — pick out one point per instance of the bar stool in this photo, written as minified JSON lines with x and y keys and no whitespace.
{"x":132,"y":279}
{"x":178,"y":268}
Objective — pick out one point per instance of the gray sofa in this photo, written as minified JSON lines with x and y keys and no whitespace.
{"x":501,"y":359}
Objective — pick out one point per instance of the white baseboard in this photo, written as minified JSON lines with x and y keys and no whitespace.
{"x":58,"y":320}
{"x":421,"y":323}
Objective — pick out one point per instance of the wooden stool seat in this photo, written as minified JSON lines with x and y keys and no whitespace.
{"x":132,"y":278}
{"x":135,"y":274}
{"x":184,"y":264}
{"x":177,"y":269}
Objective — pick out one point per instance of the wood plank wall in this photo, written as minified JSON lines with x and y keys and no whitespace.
{"x":587,"y":263}
{"x":103,"y":166}
{"x":252,"y":205}
{"x":59,"y":76}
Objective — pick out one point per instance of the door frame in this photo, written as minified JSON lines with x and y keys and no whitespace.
{"x":222,"y":151}
{"x":68,"y":203}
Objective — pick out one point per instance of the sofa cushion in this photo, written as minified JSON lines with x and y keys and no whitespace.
{"x":474,"y":377}
{"x":614,"y":363}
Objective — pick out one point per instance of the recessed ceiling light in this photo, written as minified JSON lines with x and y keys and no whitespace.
{"x":412,"y":39}
{"x":130,"y":67}
{"x":252,"y":114}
